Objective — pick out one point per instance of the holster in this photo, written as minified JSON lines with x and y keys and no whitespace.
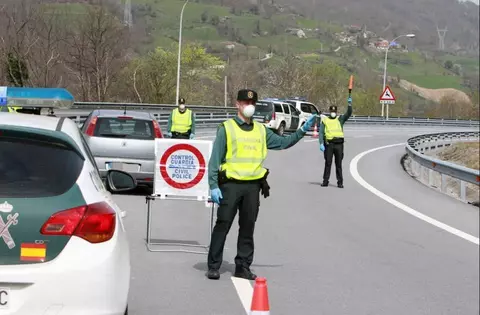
{"x":222,"y":177}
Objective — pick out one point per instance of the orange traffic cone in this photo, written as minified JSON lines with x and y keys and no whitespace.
{"x":315,"y":132}
{"x":260,"y":305}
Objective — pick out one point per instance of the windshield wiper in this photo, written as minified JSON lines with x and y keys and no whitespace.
{"x":112,"y":135}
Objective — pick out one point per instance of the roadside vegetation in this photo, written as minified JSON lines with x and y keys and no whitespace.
{"x":465,"y":154}
{"x":87,"y":49}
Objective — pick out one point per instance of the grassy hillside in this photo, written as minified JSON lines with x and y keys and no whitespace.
{"x":256,"y":35}
{"x":216,"y":26}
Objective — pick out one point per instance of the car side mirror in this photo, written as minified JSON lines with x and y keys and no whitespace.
{"x":118,"y":181}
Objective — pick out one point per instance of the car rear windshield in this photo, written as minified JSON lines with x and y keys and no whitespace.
{"x":30,"y":168}
{"x":262,"y":108}
{"x":125,"y":128}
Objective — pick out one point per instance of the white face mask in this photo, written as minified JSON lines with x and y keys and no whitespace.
{"x":249,"y":110}
{"x":181,"y":107}
{"x":333,"y":115}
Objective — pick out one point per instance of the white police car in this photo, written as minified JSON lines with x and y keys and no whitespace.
{"x":63,"y":245}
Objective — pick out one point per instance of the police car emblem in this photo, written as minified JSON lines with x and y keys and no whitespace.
{"x":250,"y":94}
{"x":12,"y":219}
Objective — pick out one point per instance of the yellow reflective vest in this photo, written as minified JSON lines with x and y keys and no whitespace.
{"x":181,"y":122}
{"x":333,"y":128}
{"x":9,"y":109}
{"x":246,"y":151}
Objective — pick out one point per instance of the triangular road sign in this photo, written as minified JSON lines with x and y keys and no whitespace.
{"x":387,"y":95}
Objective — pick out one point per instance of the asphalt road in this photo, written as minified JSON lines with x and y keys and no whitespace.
{"x":322,"y":250}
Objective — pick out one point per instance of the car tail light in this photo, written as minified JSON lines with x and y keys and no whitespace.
{"x":273,"y":116}
{"x":94,"y":223}
{"x":124,"y":117}
{"x":156,"y":128}
{"x":91,"y":126}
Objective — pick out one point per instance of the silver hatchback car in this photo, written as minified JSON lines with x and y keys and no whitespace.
{"x":123,"y":140}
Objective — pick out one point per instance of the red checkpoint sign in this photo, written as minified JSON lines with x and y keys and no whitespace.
{"x":195,"y":152}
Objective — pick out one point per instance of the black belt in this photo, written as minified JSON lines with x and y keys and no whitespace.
{"x":264,"y":187}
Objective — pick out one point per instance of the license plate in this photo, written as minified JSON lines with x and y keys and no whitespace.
{"x":4,"y":298}
{"x":131,"y":168}
{"x":126,"y":167}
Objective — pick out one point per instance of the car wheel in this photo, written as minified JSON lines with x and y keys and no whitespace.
{"x":281,"y":129}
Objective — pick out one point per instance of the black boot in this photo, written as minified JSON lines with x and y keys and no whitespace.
{"x":213,"y":274}
{"x":244,"y":272}
{"x":324,"y":184}
{"x":340,"y":185}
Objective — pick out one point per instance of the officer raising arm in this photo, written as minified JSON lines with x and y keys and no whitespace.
{"x":331,"y":142}
{"x":236,"y":176}
{"x":181,"y":123}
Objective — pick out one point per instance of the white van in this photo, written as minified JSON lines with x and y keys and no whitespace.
{"x":277,"y":115}
{"x":305,"y":108}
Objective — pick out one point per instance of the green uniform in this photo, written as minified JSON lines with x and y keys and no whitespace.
{"x":342,"y":118}
{"x":333,"y":148}
{"x":242,"y":196}
{"x":274,"y":142}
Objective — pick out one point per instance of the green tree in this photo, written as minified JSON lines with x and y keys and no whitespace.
{"x":448,"y":65}
{"x":17,"y":72}
{"x":204,"y":16}
{"x":154,"y":76}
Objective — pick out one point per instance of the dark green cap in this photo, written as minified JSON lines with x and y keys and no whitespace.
{"x":181,"y":101}
{"x":247,"y":95}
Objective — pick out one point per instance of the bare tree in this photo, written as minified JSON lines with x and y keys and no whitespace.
{"x":45,"y":63}
{"x":290,"y":77}
{"x":97,"y":52}
{"x":17,"y":20}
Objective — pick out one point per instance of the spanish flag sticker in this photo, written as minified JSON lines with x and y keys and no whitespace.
{"x":33,"y":252}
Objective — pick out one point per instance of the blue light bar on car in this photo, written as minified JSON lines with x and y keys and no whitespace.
{"x":39,"y":97}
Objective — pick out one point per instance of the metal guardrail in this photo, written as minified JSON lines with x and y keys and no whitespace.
{"x":213,"y":114}
{"x":213,"y":117}
{"x":146,"y":106}
{"x":416,"y":147}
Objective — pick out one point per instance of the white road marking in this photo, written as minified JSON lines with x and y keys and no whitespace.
{"x":245,"y":292}
{"x":311,"y":140}
{"x":401,"y":206}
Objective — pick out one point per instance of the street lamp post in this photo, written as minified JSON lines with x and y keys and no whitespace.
{"x":179,"y":52}
{"x":385,"y":66}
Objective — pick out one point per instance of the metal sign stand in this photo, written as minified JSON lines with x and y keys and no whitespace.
{"x":150,"y":198}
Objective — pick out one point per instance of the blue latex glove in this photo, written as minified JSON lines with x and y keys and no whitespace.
{"x":322,"y":147}
{"x":349,"y":101}
{"x":169,"y":134}
{"x":216,"y":195}
{"x":309,"y":123}
{"x":192,"y":135}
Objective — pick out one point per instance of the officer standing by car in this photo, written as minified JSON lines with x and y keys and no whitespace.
{"x":181,"y":123}
{"x":236,"y":178}
{"x":331,"y":142}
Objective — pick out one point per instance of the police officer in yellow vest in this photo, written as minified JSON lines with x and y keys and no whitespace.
{"x":331,"y":142}
{"x":236,"y":177}
{"x":181,"y":123}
